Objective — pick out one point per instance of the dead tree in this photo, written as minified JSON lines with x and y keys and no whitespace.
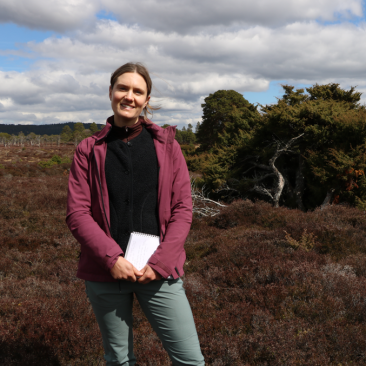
{"x":202,"y":205}
{"x":275,"y":192}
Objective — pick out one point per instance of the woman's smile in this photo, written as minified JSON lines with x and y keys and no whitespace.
{"x":128,"y":98}
{"x":126,"y":106}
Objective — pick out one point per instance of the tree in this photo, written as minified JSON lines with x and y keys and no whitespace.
{"x":5,"y":138}
{"x":31,"y":137}
{"x":93,"y":128}
{"x":45,"y":138}
{"x":185,"y":136}
{"x":66,"y":134}
{"x":78,"y":133}
{"x":197,"y":127}
{"x":333,"y":126}
{"x":66,"y":130}
{"x":21,"y":138}
{"x":228,"y":122}
{"x":79,"y":127}
{"x":224,"y":113}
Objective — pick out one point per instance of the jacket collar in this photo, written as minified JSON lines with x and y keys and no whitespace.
{"x":163,"y":135}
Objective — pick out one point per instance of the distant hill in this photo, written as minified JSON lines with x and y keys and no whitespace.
{"x":53,"y":129}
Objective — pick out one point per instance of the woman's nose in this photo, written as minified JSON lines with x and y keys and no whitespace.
{"x":129,"y":95}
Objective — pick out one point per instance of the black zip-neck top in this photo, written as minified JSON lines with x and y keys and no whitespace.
{"x":131,"y":170}
{"x":127,"y":133}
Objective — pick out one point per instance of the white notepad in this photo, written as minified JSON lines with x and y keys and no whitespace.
{"x":140,"y":248}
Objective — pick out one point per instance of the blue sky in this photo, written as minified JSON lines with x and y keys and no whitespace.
{"x":55,"y":59}
{"x":274,"y":91}
{"x":14,"y":37}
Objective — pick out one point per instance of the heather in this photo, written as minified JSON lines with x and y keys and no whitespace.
{"x":267,"y":286}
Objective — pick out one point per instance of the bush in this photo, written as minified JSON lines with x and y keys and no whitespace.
{"x":54,"y":161}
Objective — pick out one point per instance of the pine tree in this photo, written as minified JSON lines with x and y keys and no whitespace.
{"x":330,"y":120}
{"x":66,"y":134}
{"x":93,"y":128}
{"x":79,"y":127}
{"x":225,"y":114}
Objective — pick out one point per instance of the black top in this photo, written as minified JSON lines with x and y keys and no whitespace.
{"x":131,"y":170}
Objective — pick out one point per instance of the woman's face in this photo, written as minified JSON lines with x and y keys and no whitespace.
{"x":128,"y":98}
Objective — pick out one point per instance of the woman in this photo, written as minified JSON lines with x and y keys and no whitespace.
{"x":132,"y":176}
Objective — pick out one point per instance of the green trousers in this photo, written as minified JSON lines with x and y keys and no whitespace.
{"x":166,"y":307}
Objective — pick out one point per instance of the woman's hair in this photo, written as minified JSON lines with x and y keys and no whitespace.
{"x":140,"y":69}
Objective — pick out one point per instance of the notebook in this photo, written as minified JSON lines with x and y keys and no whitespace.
{"x":140,"y":248}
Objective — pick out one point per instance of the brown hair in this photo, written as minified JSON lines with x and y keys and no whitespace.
{"x":140,"y":69}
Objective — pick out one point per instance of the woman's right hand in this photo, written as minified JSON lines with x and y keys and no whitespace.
{"x":124,"y":270}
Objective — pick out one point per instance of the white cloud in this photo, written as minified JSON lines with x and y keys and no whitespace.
{"x":245,"y":59}
{"x":56,"y":15}
{"x":204,"y":15}
{"x":175,"y":15}
{"x":186,"y":54}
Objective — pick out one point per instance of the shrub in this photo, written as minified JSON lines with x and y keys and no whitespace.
{"x":54,"y":161}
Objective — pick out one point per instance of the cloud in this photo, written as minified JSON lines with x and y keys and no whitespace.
{"x":206,"y":15}
{"x":188,"y":56}
{"x":175,"y":16}
{"x":246,"y":59}
{"x":53,"y":15}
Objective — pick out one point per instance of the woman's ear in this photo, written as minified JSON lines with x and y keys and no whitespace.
{"x":147,"y":101}
{"x":110,"y":93}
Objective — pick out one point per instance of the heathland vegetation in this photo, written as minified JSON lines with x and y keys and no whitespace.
{"x":268,"y":285}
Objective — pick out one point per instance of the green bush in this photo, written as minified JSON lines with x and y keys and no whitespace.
{"x":55,"y":160}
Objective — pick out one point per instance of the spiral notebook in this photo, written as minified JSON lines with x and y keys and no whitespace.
{"x":140,"y":248}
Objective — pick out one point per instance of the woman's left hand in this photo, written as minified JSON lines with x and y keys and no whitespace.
{"x":149,"y":274}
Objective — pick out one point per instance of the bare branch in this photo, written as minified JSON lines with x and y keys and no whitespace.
{"x":261,"y":190}
{"x":201,"y":204}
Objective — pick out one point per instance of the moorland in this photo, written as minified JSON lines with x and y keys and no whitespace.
{"x":267,"y":286}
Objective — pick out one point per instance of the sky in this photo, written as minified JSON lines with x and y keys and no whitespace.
{"x":56,"y":56}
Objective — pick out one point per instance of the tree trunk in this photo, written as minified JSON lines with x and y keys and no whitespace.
{"x":300,"y":184}
{"x":280,"y":180}
{"x":279,"y":185}
{"x":327,"y":199}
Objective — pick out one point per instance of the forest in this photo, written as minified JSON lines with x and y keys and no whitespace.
{"x":44,"y":129}
{"x":275,"y":273}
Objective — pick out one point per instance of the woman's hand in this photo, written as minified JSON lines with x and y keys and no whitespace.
{"x":124,"y":270}
{"x":149,"y":274}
